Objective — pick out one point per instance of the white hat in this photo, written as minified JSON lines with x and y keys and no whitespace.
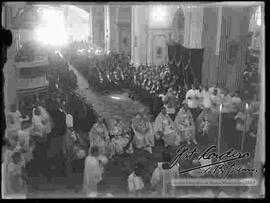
{"x":69,"y":121}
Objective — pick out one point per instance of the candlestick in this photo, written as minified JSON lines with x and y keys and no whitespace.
{"x":244,"y":131}
{"x":219,"y":127}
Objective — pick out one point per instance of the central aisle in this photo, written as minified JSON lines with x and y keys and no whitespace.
{"x":108,"y":105}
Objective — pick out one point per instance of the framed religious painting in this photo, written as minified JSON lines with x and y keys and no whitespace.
{"x":233,"y":47}
{"x":159,"y":52}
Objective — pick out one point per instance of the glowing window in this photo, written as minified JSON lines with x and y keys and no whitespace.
{"x":258,"y":16}
{"x":52,"y":28}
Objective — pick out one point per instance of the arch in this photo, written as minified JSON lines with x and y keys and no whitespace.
{"x":27,"y":18}
{"x":82,"y":13}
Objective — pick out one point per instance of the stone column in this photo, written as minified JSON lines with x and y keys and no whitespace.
{"x":196,"y":25}
{"x":135,"y":32}
{"x":187,"y":11}
{"x":91,"y":24}
{"x":107,"y":27}
{"x":98,"y":25}
{"x":113,"y":28}
{"x":210,"y":43}
{"x":193,"y":26}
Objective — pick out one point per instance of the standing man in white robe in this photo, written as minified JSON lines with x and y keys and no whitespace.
{"x":192,"y":97}
{"x":93,"y":170}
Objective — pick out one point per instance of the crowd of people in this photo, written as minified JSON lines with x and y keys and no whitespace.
{"x":251,"y":81}
{"x":115,"y":72}
{"x":196,"y":122}
{"x":53,"y":132}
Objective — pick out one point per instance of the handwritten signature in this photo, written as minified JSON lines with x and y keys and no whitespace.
{"x":221,"y":166}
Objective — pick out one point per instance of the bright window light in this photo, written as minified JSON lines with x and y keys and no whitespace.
{"x":52,"y":28}
{"x":258,"y":16}
{"x":159,"y":14}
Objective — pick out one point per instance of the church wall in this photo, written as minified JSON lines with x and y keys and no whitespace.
{"x":152,"y":27}
{"x":139,"y":37}
{"x":75,"y":23}
{"x":124,"y":29}
{"x":160,"y":28}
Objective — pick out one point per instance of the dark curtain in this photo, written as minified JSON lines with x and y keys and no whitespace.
{"x":196,"y":64}
{"x":185,"y":63}
{"x":179,"y":51}
{"x":182,"y":63}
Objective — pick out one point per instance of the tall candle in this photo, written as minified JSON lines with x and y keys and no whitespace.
{"x":219,"y":127}
{"x":244,"y":131}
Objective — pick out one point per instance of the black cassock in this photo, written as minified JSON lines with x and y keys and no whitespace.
{"x":55,"y":139}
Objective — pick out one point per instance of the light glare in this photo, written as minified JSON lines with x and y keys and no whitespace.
{"x":52,"y":31}
{"x":158,"y":13}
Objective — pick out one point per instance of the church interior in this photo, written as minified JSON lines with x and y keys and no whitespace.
{"x":131,"y":82}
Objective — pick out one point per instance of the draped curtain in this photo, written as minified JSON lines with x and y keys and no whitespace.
{"x":196,"y":63}
{"x":185,"y":63}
